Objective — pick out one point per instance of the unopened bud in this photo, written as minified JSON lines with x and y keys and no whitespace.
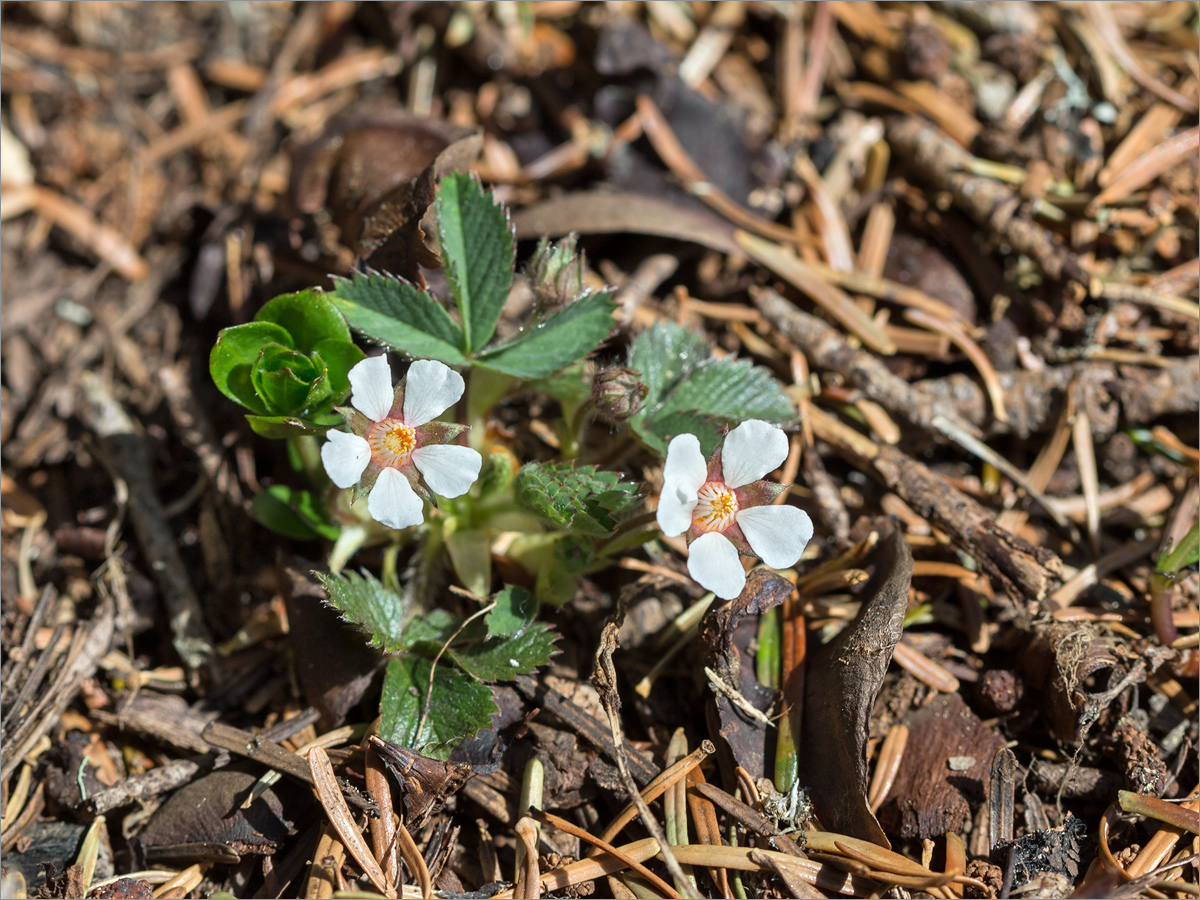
{"x":556,"y":271}
{"x":617,"y":393}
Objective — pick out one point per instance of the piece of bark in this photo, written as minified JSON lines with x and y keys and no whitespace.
{"x":844,"y":678}
{"x":737,"y":692}
{"x":1113,"y":395}
{"x":993,"y":205}
{"x":826,"y":348}
{"x":943,"y":774}
{"x":1027,"y":571}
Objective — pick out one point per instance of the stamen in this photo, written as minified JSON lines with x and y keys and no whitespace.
{"x":392,"y":442}
{"x":717,"y":508}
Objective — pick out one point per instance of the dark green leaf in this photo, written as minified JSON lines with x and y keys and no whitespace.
{"x":504,"y":658}
{"x":658,"y":432}
{"x":478,"y":250}
{"x":274,"y":512}
{"x":566,"y":337}
{"x":583,"y":499}
{"x":393,"y":312}
{"x":458,"y":708}
{"x":307,"y":316}
{"x":366,"y":603}
{"x":515,"y":608}
{"x":234,"y":355}
{"x":731,"y":389}
{"x":427,"y":632}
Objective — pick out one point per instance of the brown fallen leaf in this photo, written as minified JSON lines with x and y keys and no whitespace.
{"x":844,"y":678}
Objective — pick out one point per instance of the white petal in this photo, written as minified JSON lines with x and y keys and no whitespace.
{"x":372,"y":391}
{"x":752,"y":450}
{"x":431,"y":389}
{"x":393,"y":502}
{"x":778,"y":534}
{"x":715,"y":564}
{"x":345,"y":457}
{"x":683,"y":475}
{"x":448,"y":468}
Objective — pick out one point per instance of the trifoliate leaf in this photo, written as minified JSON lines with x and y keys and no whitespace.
{"x":689,"y":391}
{"x":478,"y":250}
{"x":458,"y":707}
{"x":504,"y":658}
{"x":366,"y":603}
{"x":564,"y":338}
{"x":582,"y":499}
{"x":394,"y":312}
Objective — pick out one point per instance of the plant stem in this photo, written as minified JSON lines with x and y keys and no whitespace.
{"x":625,"y":527}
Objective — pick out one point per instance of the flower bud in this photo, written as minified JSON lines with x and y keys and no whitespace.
{"x":617,"y":393}
{"x":556,"y":271}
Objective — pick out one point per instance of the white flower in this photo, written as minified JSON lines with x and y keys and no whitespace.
{"x":394,"y":450}
{"x":725,"y":508}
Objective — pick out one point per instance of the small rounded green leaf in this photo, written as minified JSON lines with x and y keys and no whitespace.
{"x":339,"y":357}
{"x":283,"y":379}
{"x":233,"y":358}
{"x":292,"y":513}
{"x":308,"y":316}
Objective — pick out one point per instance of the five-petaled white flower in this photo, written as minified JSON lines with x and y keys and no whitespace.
{"x":394,"y":450}
{"x":725,"y":508}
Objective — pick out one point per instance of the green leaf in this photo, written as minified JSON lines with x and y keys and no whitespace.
{"x":459,"y":706}
{"x":515,"y":608}
{"x":665,"y":354}
{"x":478,"y":250}
{"x":427,"y":633}
{"x":566,"y":337}
{"x":504,"y":658}
{"x":233,"y":358}
{"x":284,"y":379}
{"x":339,"y":357}
{"x":366,"y":603}
{"x":732,"y":389}
{"x":292,"y":513}
{"x":394,"y":312}
{"x":308,"y":316}
{"x":280,"y":427}
{"x":583,"y":499}
{"x":687,"y":391}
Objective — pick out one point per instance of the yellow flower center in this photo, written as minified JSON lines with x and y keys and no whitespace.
{"x":392,"y":442}
{"x":717,"y":508}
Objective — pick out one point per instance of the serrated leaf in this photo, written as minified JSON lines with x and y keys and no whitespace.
{"x":233,"y":358}
{"x":665,"y":354}
{"x":515,"y":608}
{"x":732,"y":389}
{"x":478,"y":251}
{"x":366,"y":603}
{"x":504,"y":658}
{"x":308,"y":316}
{"x":583,"y":499}
{"x":459,"y":706}
{"x":564,"y":338}
{"x":688,"y":391}
{"x":394,"y":312}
